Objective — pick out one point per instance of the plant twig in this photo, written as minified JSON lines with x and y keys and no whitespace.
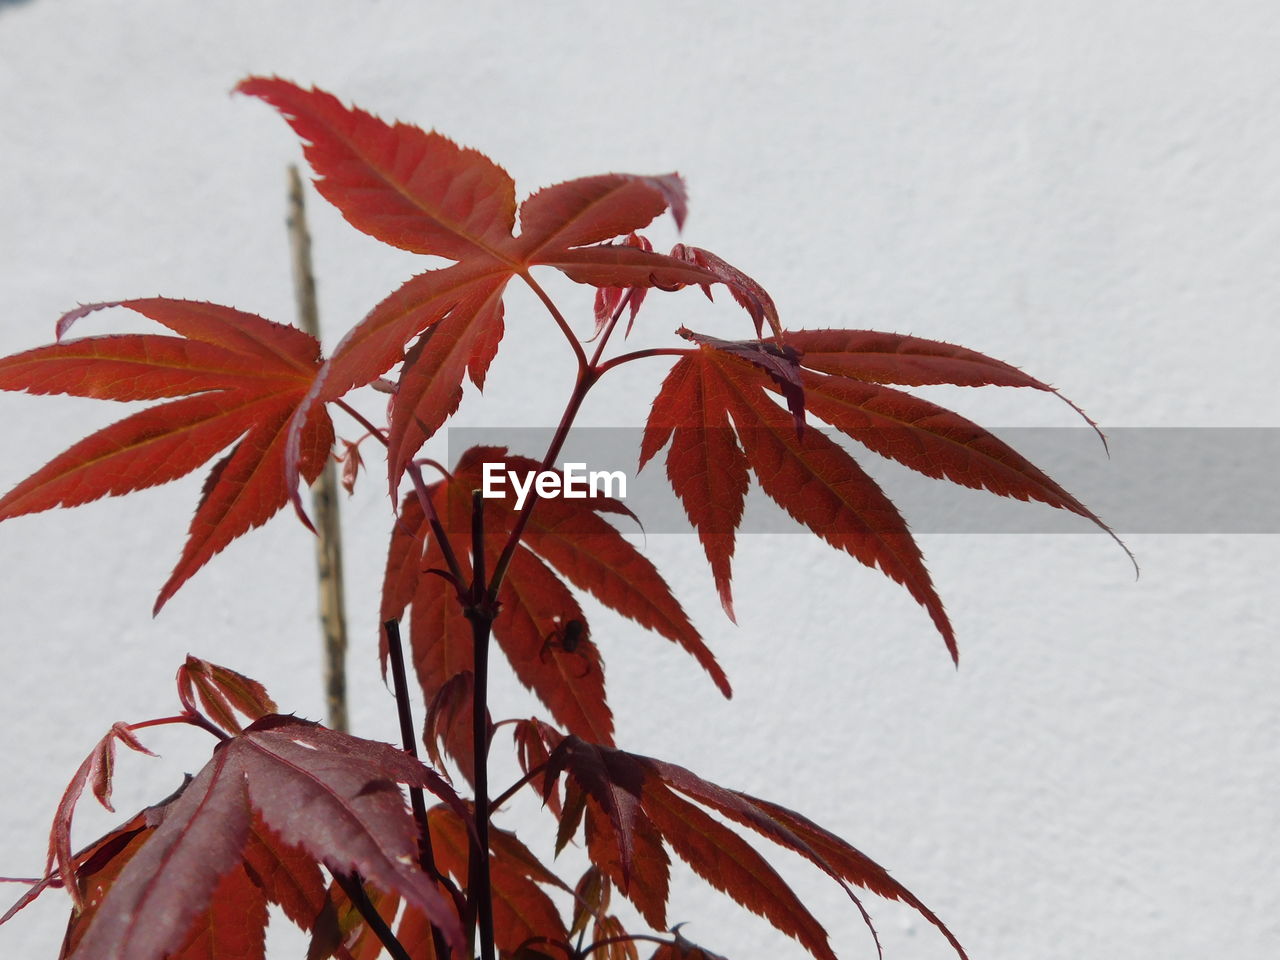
{"x":324,"y":494}
{"x":354,"y":890}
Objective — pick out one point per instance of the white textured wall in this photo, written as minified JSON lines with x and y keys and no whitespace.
{"x":1088,"y":190}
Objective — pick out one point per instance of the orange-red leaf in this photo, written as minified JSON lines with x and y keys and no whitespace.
{"x":729,"y":864}
{"x":237,"y":379}
{"x":430,"y":386}
{"x":820,"y":485}
{"x":628,"y":795}
{"x":647,"y":881}
{"x":292,"y":880}
{"x":415,"y":190}
{"x":592,"y":209}
{"x":850,"y":863}
{"x":931,"y":440}
{"x":909,"y":361}
{"x":535,"y":604}
{"x":705,"y":464}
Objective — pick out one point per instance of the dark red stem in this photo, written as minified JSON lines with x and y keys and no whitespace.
{"x":480,"y":610}
{"x":417,"y":800}
{"x":354,"y":890}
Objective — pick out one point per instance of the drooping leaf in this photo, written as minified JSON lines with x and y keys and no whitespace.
{"x":96,"y":769}
{"x":168,"y":882}
{"x":611,"y":940}
{"x":647,"y":882}
{"x":807,"y":474}
{"x":632,"y":799}
{"x":609,"y":778}
{"x":749,"y":295}
{"x":591,"y":896}
{"x":96,"y":869}
{"x":238,"y":379}
{"x":449,"y":717}
{"x":271,"y":804}
{"x":821,"y":486}
{"x":931,"y":440}
{"x":851,"y":863}
{"x":571,"y":535}
{"x":533,"y":755}
{"x":729,"y":864}
{"x":535,"y":605}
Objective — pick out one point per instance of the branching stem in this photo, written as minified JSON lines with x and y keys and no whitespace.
{"x":361,"y":419}
{"x":640,"y":355}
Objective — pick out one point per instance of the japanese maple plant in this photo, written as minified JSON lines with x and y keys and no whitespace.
{"x":339,"y":832}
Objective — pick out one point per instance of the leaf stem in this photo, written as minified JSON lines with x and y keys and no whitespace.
{"x":361,"y":419}
{"x":354,"y":890}
{"x":426,"y":856}
{"x":640,"y":355}
{"x":588,"y":373}
{"x":190,"y":715}
{"x":608,"y":330}
{"x":584,"y":383}
{"x":437,"y":528}
{"x":510,"y":792}
{"x":560,"y":321}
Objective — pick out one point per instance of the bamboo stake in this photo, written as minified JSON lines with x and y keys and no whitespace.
{"x":324,"y":493}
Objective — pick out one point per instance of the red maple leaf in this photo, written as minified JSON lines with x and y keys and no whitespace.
{"x":240,"y":380}
{"x":252,"y":827}
{"x":635,"y":804}
{"x":716,"y":410}
{"x":564,"y":538}
{"x":420,"y":191}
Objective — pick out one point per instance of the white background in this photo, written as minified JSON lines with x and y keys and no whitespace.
{"x":1087,"y":190}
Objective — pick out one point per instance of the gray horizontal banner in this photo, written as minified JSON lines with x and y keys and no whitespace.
{"x":1156,"y":480}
